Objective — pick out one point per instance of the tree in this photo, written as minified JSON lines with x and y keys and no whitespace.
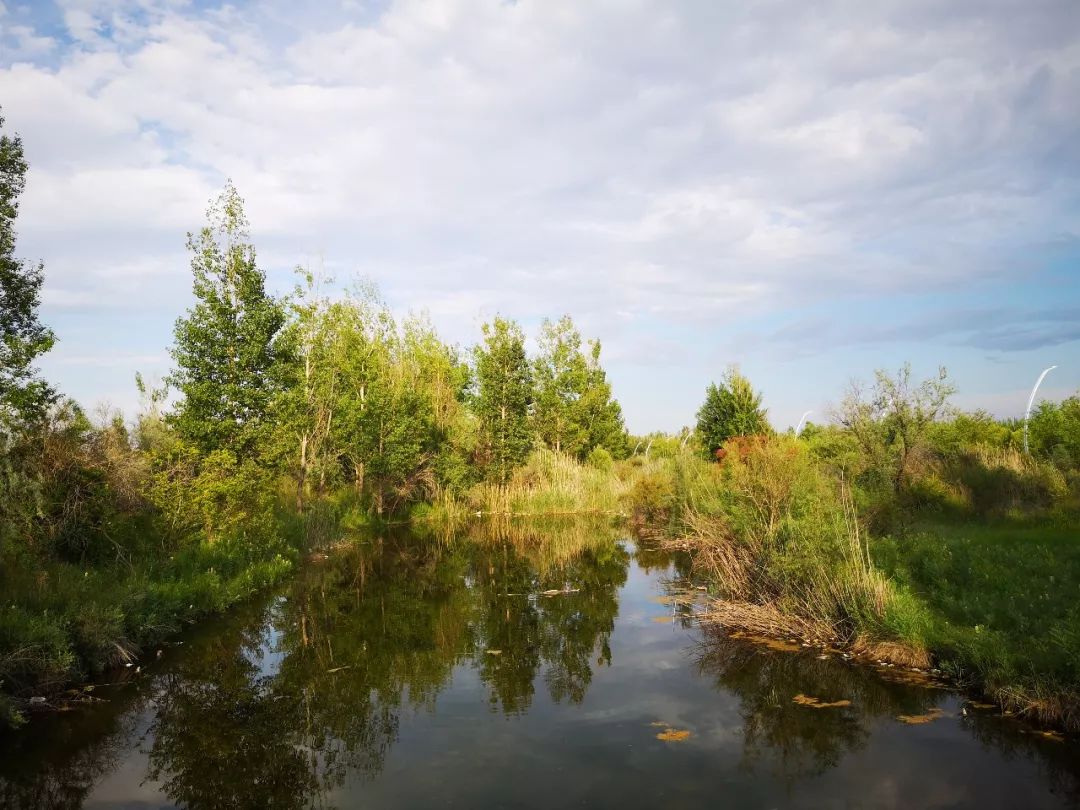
{"x":304,"y":409}
{"x":574,"y":411}
{"x":732,"y":408}
{"x":504,"y":394}
{"x":561,"y":376}
{"x":229,"y":350}
{"x":1055,"y":431}
{"x":23,"y":338}
{"x":891,"y":422}
{"x":600,"y":414}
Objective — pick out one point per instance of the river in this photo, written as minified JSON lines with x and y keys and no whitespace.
{"x":425,"y":671}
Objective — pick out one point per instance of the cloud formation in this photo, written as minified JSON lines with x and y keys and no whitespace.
{"x":643,"y":165}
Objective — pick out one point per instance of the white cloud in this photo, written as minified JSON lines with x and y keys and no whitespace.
{"x":625,"y":161}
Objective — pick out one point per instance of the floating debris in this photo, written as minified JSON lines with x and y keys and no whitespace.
{"x":660,"y":724}
{"x":1054,"y":736}
{"x":493,"y":652}
{"x":560,"y":592}
{"x":673,"y":735}
{"x":818,"y":703}
{"x":921,"y":719}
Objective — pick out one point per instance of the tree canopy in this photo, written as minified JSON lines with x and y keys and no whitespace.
{"x":732,"y":408}
{"x":230,"y":358}
{"x":23,"y":338}
{"x":504,"y":394}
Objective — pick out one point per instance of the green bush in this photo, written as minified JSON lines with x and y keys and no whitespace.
{"x":601,"y":459}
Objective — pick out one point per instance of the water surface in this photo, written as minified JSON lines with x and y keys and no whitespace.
{"x":421,"y":672}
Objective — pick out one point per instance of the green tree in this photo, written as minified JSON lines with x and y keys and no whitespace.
{"x":23,"y":338}
{"x":732,"y":408}
{"x":561,"y":376}
{"x":892,"y":421}
{"x":600,"y":413}
{"x":1055,"y":431}
{"x":504,"y":394}
{"x":574,"y":411}
{"x":229,"y":352}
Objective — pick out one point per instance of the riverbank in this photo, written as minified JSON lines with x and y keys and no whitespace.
{"x":62,"y":624}
{"x":990,"y":602}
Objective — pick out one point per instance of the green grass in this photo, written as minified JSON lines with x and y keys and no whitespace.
{"x":61,"y":623}
{"x":1005,"y":601}
{"x":550,"y":484}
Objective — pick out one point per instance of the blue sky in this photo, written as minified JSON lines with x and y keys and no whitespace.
{"x":810,"y":190}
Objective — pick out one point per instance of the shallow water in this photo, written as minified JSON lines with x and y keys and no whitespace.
{"x":417,"y":672}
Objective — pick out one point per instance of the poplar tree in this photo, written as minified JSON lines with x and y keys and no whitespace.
{"x":561,"y":376}
{"x":229,"y":353}
{"x":23,"y":396}
{"x":574,"y":410}
{"x":504,"y":394}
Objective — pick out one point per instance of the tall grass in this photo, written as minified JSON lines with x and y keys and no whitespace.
{"x":550,"y":484}
{"x":782,"y":544}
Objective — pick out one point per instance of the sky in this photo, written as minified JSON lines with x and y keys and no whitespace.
{"x":810,"y":190}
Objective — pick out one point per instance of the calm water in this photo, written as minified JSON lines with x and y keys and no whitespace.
{"x":411,"y":672}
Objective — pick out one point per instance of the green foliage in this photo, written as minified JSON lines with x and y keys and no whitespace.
{"x":730,"y":409}
{"x":1054,"y":432}
{"x":550,"y":483}
{"x":1002,"y":597}
{"x":23,"y":338}
{"x":503,"y":398}
{"x":574,"y":411}
{"x":230,"y":358}
{"x":892,"y":423}
{"x":601,"y":459}
{"x":775,"y":531}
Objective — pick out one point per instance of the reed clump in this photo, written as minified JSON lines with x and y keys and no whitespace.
{"x":782,"y":544}
{"x":550,"y":484}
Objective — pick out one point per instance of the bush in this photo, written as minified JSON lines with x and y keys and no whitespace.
{"x":600,"y":459}
{"x":780,"y":533}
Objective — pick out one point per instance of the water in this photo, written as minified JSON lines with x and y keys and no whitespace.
{"x":416,"y":672}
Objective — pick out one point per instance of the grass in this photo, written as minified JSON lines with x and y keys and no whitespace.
{"x":1005,"y":609}
{"x":782,"y":545}
{"x":550,"y":484}
{"x":987,"y":595}
{"x":62,"y":623}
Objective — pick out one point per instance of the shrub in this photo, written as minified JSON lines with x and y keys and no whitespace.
{"x":600,"y":459}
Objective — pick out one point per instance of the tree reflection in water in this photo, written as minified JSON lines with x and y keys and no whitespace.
{"x":376,"y":626}
{"x":286,"y":701}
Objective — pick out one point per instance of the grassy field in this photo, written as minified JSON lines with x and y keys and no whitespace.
{"x":1005,"y":602}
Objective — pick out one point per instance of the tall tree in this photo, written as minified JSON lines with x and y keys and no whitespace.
{"x":303,"y":412}
{"x":23,"y":396}
{"x":504,"y":394}
{"x":561,"y":376}
{"x":732,"y":408}
{"x":229,"y":353}
{"x":600,"y":413}
{"x":574,"y":410}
